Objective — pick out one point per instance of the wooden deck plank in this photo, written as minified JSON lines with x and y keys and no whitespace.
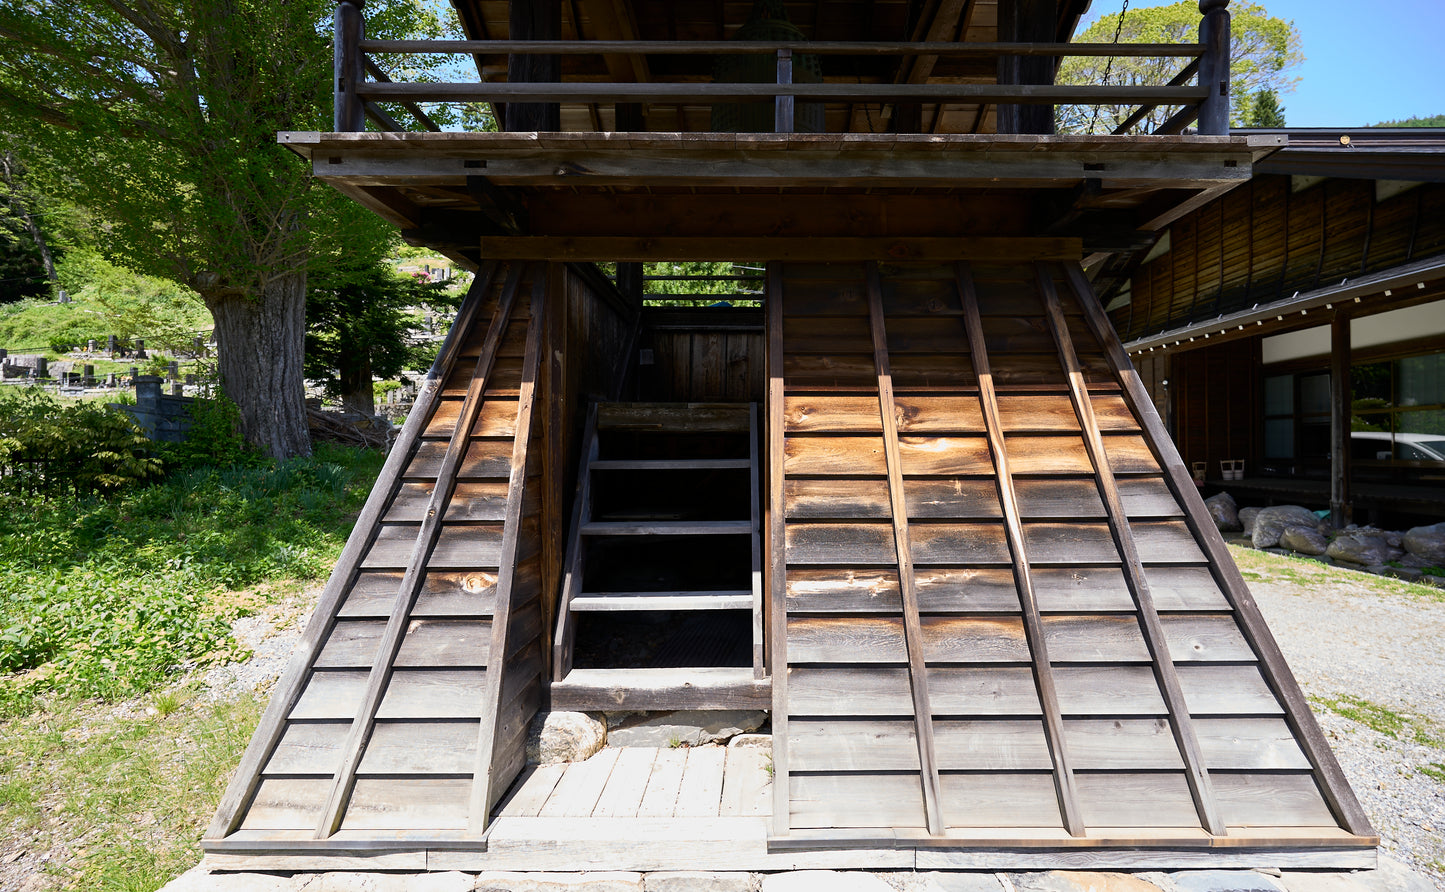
{"x":622,"y":797}
{"x":700,"y":795}
{"x":576,"y":794}
{"x":747,"y":782}
{"x":659,"y":799}
{"x":532,"y":791}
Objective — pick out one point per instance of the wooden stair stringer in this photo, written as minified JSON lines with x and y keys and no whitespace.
{"x":377,"y":726}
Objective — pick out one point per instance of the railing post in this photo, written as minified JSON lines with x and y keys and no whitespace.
{"x":783,"y":117}
{"x":1214,"y":67}
{"x":348,"y":113}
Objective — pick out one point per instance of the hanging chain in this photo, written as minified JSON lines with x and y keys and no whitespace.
{"x":1109,"y":65}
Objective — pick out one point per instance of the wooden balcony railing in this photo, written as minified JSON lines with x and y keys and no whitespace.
{"x":1206,"y":101}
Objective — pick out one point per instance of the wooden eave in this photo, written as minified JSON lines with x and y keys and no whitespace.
{"x":448,"y":189}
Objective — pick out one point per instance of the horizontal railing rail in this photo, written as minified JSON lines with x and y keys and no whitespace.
{"x":358,"y":98}
{"x":755,"y":47}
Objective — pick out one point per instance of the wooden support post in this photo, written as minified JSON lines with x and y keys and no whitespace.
{"x":348,"y":111}
{"x":1027,"y":21}
{"x":1341,"y":511}
{"x":534,"y":20}
{"x":1214,"y":67}
{"x":777,"y":557}
{"x":783,"y":118}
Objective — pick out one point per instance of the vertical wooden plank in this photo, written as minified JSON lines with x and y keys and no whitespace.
{"x":912,"y":625}
{"x":576,"y":546}
{"x":1033,"y":623}
{"x":1277,"y":674}
{"x":268,"y":733}
{"x":487,"y":786}
{"x":361,"y":725}
{"x":777,"y":568}
{"x":1200,"y":786}
{"x":1341,"y":511}
{"x":759,"y":647}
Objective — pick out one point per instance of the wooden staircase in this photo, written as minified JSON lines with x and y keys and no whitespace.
{"x":401,"y":718}
{"x":1000,"y":615}
{"x":666,"y":522}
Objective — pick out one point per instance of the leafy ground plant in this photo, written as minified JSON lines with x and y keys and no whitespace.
{"x":112,"y":597}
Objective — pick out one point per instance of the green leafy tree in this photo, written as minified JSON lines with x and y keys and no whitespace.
{"x":1430,"y":121}
{"x":163,"y":120}
{"x":360,"y":314}
{"x":1264,"y":53}
{"x":1264,"y":110}
{"x":27,"y":265}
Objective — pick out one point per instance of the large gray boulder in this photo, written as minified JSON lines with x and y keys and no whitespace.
{"x":1305,"y":540}
{"x":1223,"y":511}
{"x":1246,"y":519}
{"x":690,"y":727}
{"x":1272,"y":521}
{"x":1359,"y":547}
{"x":564,"y":737}
{"x":1427,"y":543}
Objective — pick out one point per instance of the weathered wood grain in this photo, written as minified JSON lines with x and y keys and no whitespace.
{"x":1002,"y":691}
{"x":859,"y":745}
{"x":831,"y":800}
{"x":1261,"y":799}
{"x":1203,"y":638}
{"x":1081,"y":589}
{"x":412,"y":803}
{"x":1042,"y":499}
{"x":458,"y":546}
{"x":992,"y":745}
{"x":484,"y":459}
{"x":286,"y":803}
{"x":827,"y":639}
{"x":944,"y":455}
{"x":700,"y":795}
{"x":956,"y":498}
{"x":308,"y":748}
{"x":970,"y":544}
{"x":531,"y":791}
{"x":1118,"y":744}
{"x":471,"y":500}
{"x":442,"y":594}
{"x":1115,"y":799}
{"x":1095,"y":639}
{"x":460,"y":644}
{"x":1185,"y":588}
{"x":581,"y":786}
{"x":1000,"y":800}
{"x":410,"y":747}
{"x":836,"y":499}
{"x":1225,"y":690}
{"x":747,"y":783}
{"x":1109,"y":690}
{"x":622,"y":796}
{"x":352,"y":644}
{"x":856,"y":544}
{"x":659,"y":798}
{"x":974,"y":640}
{"x":497,"y":418}
{"x":1148,"y":497}
{"x":1249,"y":744}
{"x":833,"y":455}
{"x":817,"y":413}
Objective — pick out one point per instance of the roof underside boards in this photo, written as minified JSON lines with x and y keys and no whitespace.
{"x":402,"y":713}
{"x":964,"y":21}
{"x":1004,"y":616}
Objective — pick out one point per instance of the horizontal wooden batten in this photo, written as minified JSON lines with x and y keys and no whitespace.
{"x":981,"y":49}
{"x":605,"y":248}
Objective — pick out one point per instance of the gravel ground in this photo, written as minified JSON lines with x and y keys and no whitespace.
{"x":1353,"y":635}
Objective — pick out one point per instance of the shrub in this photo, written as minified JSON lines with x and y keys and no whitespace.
{"x":46,"y":446}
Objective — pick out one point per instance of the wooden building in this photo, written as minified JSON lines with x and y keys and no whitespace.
{"x":919,"y":505}
{"x":1297,"y":324}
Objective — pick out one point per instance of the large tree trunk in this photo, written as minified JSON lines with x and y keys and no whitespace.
{"x":259,"y":344}
{"x":356,"y":392}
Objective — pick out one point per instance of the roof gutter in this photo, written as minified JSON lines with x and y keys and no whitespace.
{"x":1416,"y":276}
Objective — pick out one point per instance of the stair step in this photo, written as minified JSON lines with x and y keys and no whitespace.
{"x":658,"y":689}
{"x":740,"y":599}
{"x":667,"y":528}
{"x":668,"y":464}
{"x":674,"y":417}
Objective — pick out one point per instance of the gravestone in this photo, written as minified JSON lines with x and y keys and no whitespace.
{"x":134,"y":374}
{"x":173,"y":371}
{"x":90,"y":345}
{"x":88,"y":378}
{"x":110,"y":345}
{"x":110,"y":379}
{"x":140,"y":349}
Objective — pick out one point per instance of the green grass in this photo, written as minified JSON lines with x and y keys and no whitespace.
{"x":1435,"y":770}
{"x":1383,"y":720}
{"x":121,"y":795}
{"x":114,"y":597}
{"x":1305,"y":574}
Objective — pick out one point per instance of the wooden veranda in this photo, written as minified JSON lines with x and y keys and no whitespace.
{"x":925,"y":513}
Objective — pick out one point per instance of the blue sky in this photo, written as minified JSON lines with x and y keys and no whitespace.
{"x":1364,"y":62}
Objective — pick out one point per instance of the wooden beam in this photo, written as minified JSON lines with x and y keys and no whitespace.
{"x":533,"y":20}
{"x":1026,"y":21}
{"x":1200,"y":786}
{"x":488,"y":783}
{"x":1341,"y":509}
{"x":602,"y":248}
{"x":912,"y":623}
{"x":387,"y":648}
{"x":1331,"y":779}
{"x":288,"y":691}
{"x":576,"y":548}
{"x":1063,"y":774}
{"x":777,"y":551}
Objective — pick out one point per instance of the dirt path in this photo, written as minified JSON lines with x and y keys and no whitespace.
{"x":1370,"y":654}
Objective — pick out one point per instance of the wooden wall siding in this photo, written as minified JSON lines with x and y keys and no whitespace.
{"x":1215,"y":395}
{"x":703,"y":361}
{"x":1263,"y":241}
{"x":405,"y":705}
{"x":993,"y":613}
